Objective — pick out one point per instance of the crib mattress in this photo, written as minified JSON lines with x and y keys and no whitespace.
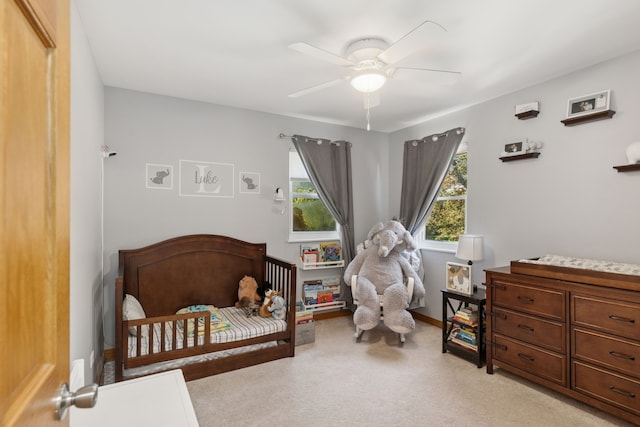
{"x":242,"y":327}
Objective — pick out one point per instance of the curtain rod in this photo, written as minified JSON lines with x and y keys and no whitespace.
{"x":318,"y":140}
{"x":282,"y":135}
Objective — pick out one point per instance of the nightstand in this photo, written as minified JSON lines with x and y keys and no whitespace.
{"x":462,"y":337}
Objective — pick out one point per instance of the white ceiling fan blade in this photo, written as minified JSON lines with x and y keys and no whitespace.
{"x":425,"y":34}
{"x":371,"y":99}
{"x":315,"y":88}
{"x":440,"y":77}
{"x":316,"y":52}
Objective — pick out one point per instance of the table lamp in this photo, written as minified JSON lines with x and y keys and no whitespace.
{"x":470,"y":248}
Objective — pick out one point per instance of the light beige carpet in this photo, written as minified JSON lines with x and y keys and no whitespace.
{"x":338,"y":382}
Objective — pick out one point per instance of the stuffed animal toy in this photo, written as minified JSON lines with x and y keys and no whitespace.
{"x":277,"y":307}
{"x":247,"y":292}
{"x":268,"y":300}
{"x":382,"y":269}
{"x":263,"y":288}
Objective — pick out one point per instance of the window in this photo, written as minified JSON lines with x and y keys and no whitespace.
{"x":447,"y":219}
{"x":309,"y":219}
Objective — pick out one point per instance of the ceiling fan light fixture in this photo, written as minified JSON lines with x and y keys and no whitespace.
{"x":367,"y":81}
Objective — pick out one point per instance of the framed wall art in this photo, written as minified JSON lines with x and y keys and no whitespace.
{"x":250,"y":182}
{"x":206,"y":179}
{"x":514,"y":148}
{"x":458,"y":278}
{"x":159,"y":177}
{"x":588,"y":104}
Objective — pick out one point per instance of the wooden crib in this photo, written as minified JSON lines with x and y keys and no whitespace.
{"x":198,"y":270}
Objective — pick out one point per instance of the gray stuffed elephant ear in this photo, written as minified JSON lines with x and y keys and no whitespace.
{"x":374,"y":231}
{"x":409,"y":242}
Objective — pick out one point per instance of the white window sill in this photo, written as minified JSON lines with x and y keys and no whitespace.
{"x":433,"y":246}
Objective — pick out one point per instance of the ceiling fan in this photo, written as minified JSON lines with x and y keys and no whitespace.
{"x":372,"y":61}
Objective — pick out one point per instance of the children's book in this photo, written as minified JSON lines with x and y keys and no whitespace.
{"x":330,"y":251}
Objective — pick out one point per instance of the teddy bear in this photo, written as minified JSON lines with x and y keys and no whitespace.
{"x":247,"y":292}
{"x":277,"y":307}
{"x":381,"y":269}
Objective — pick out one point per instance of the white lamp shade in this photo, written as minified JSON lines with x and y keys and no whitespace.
{"x":368,"y":81}
{"x":470,"y":247}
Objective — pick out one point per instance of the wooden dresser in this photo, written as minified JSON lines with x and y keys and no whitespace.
{"x":574,"y":331}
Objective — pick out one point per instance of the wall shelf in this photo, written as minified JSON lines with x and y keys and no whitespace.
{"x":601,"y":115}
{"x":628,"y":168}
{"x":333,"y":305}
{"x":321,"y":265}
{"x":532,"y":155}
{"x":527,"y":115}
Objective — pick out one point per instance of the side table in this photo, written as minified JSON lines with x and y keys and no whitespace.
{"x":473,"y":352}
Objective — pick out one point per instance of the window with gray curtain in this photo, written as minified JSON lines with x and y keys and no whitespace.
{"x":328,"y":164}
{"x":425,"y":164}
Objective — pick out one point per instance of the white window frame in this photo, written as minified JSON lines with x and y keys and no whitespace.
{"x":437,"y":245}
{"x":304,"y":236}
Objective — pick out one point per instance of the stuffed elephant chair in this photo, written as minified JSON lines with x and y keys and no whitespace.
{"x":382,"y":278}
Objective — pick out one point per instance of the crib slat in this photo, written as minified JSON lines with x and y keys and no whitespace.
{"x":139,"y":340}
{"x":163,"y":341}
{"x":150,"y":340}
{"x":184,"y":333}
{"x":207,"y":330}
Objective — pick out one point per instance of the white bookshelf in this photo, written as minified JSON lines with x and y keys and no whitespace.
{"x":321,"y":265}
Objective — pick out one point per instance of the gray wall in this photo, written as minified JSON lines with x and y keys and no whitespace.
{"x":87,"y":133}
{"x":145,"y":128}
{"x":569,"y":201}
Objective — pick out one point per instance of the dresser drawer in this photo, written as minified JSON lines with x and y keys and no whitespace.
{"x":536,"y":361}
{"x":533,"y":330}
{"x":609,"y":352}
{"x":617,"y":317}
{"x":544,"y":302}
{"x":607,"y":386}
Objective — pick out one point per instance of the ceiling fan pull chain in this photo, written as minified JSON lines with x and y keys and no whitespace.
{"x":368,"y":114}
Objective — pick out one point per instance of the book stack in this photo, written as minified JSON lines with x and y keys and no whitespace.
{"x":463,"y":330}
{"x":464,"y":337}
{"x":310,"y":289}
{"x":467,"y":316}
{"x":310,"y":253}
{"x":321,"y":254}
{"x":302,"y":314}
{"x":332,"y":284}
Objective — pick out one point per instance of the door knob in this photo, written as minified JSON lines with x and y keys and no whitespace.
{"x":84,"y":397}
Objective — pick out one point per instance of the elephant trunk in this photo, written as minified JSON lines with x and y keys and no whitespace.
{"x":383,"y":251}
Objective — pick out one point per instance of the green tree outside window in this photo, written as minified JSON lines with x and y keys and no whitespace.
{"x":447,"y":219}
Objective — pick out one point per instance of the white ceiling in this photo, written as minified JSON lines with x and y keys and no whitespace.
{"x":234,"y":52}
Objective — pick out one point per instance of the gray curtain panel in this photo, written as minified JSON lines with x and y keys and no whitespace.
{"x":328,"y":165}
{"x":426,"y":162}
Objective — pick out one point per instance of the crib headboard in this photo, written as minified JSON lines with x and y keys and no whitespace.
{"x":186,"y":270}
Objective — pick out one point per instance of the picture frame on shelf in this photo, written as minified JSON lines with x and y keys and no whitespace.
{"x":458,"y":278}
{"x":589,"y":104}
{"x":514,"y":148}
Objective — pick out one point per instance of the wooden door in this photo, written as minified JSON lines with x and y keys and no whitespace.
{"x":34,"y":227}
